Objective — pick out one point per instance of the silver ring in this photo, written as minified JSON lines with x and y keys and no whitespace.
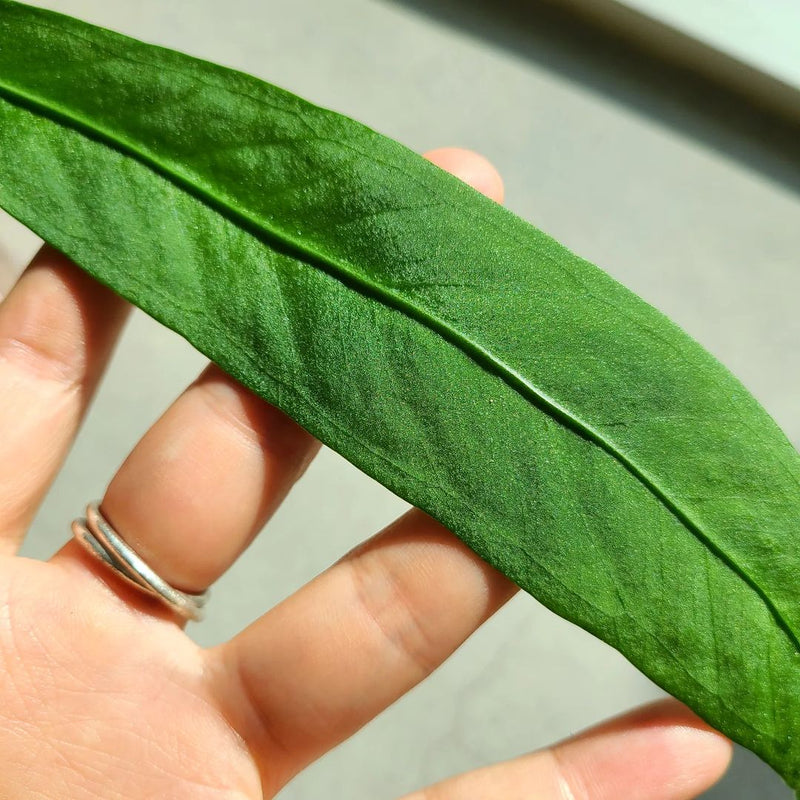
{"x":97,"y":536}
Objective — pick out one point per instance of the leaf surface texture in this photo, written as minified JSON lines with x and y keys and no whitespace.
{"x":563,"y":428}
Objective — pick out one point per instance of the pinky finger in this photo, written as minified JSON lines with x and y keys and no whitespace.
{"x":660,"y":752}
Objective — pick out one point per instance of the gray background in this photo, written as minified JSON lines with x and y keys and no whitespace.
{"x":681,"y":191}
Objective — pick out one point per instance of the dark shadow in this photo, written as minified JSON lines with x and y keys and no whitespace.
{"x":616,"y":67}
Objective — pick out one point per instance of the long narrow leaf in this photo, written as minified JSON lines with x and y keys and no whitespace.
{"x":562,"y":427}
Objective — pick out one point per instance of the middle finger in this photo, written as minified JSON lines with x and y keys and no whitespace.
{"x":323,"y":663}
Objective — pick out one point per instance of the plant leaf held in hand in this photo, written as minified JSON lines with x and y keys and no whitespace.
{"x":563,"y":428}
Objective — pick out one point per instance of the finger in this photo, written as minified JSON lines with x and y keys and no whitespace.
{"x":57,"y":330}
{"x":327,"y":660}
{"x":210,"y":473}
{"x":202,"y":482}
{"x":661,"y":752}
{"x":472,"y":168}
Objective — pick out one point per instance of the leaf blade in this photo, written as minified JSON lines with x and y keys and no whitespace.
{"x":433,"y":250}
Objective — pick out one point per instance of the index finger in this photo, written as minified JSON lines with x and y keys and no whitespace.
{"x":57,"y":330}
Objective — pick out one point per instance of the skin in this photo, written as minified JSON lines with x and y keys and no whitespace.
{"x":104,"y":696}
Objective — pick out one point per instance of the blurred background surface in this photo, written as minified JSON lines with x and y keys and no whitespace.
{"x":667,"y":155}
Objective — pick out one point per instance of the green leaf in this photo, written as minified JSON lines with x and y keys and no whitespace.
{"x":563,"y":428}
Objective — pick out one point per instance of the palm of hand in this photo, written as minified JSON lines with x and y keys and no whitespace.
{"x":116,"y":703}
{"x":105,"y":696}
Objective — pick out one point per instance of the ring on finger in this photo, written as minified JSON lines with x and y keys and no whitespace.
{"x":98,"y":537}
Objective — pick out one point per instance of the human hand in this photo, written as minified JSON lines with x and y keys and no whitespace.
{"x":104,"y":695}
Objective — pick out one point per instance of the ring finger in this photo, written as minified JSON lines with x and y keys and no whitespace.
{"x":201,"y":484}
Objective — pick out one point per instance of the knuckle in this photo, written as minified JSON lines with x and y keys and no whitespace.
{"x":39,"y":338}
{"x":386,"y":596}
{"x":569,"y":782}
{"x":42,"y":360}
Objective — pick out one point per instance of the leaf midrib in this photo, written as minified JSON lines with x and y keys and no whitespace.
{"x":344,"y":273}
